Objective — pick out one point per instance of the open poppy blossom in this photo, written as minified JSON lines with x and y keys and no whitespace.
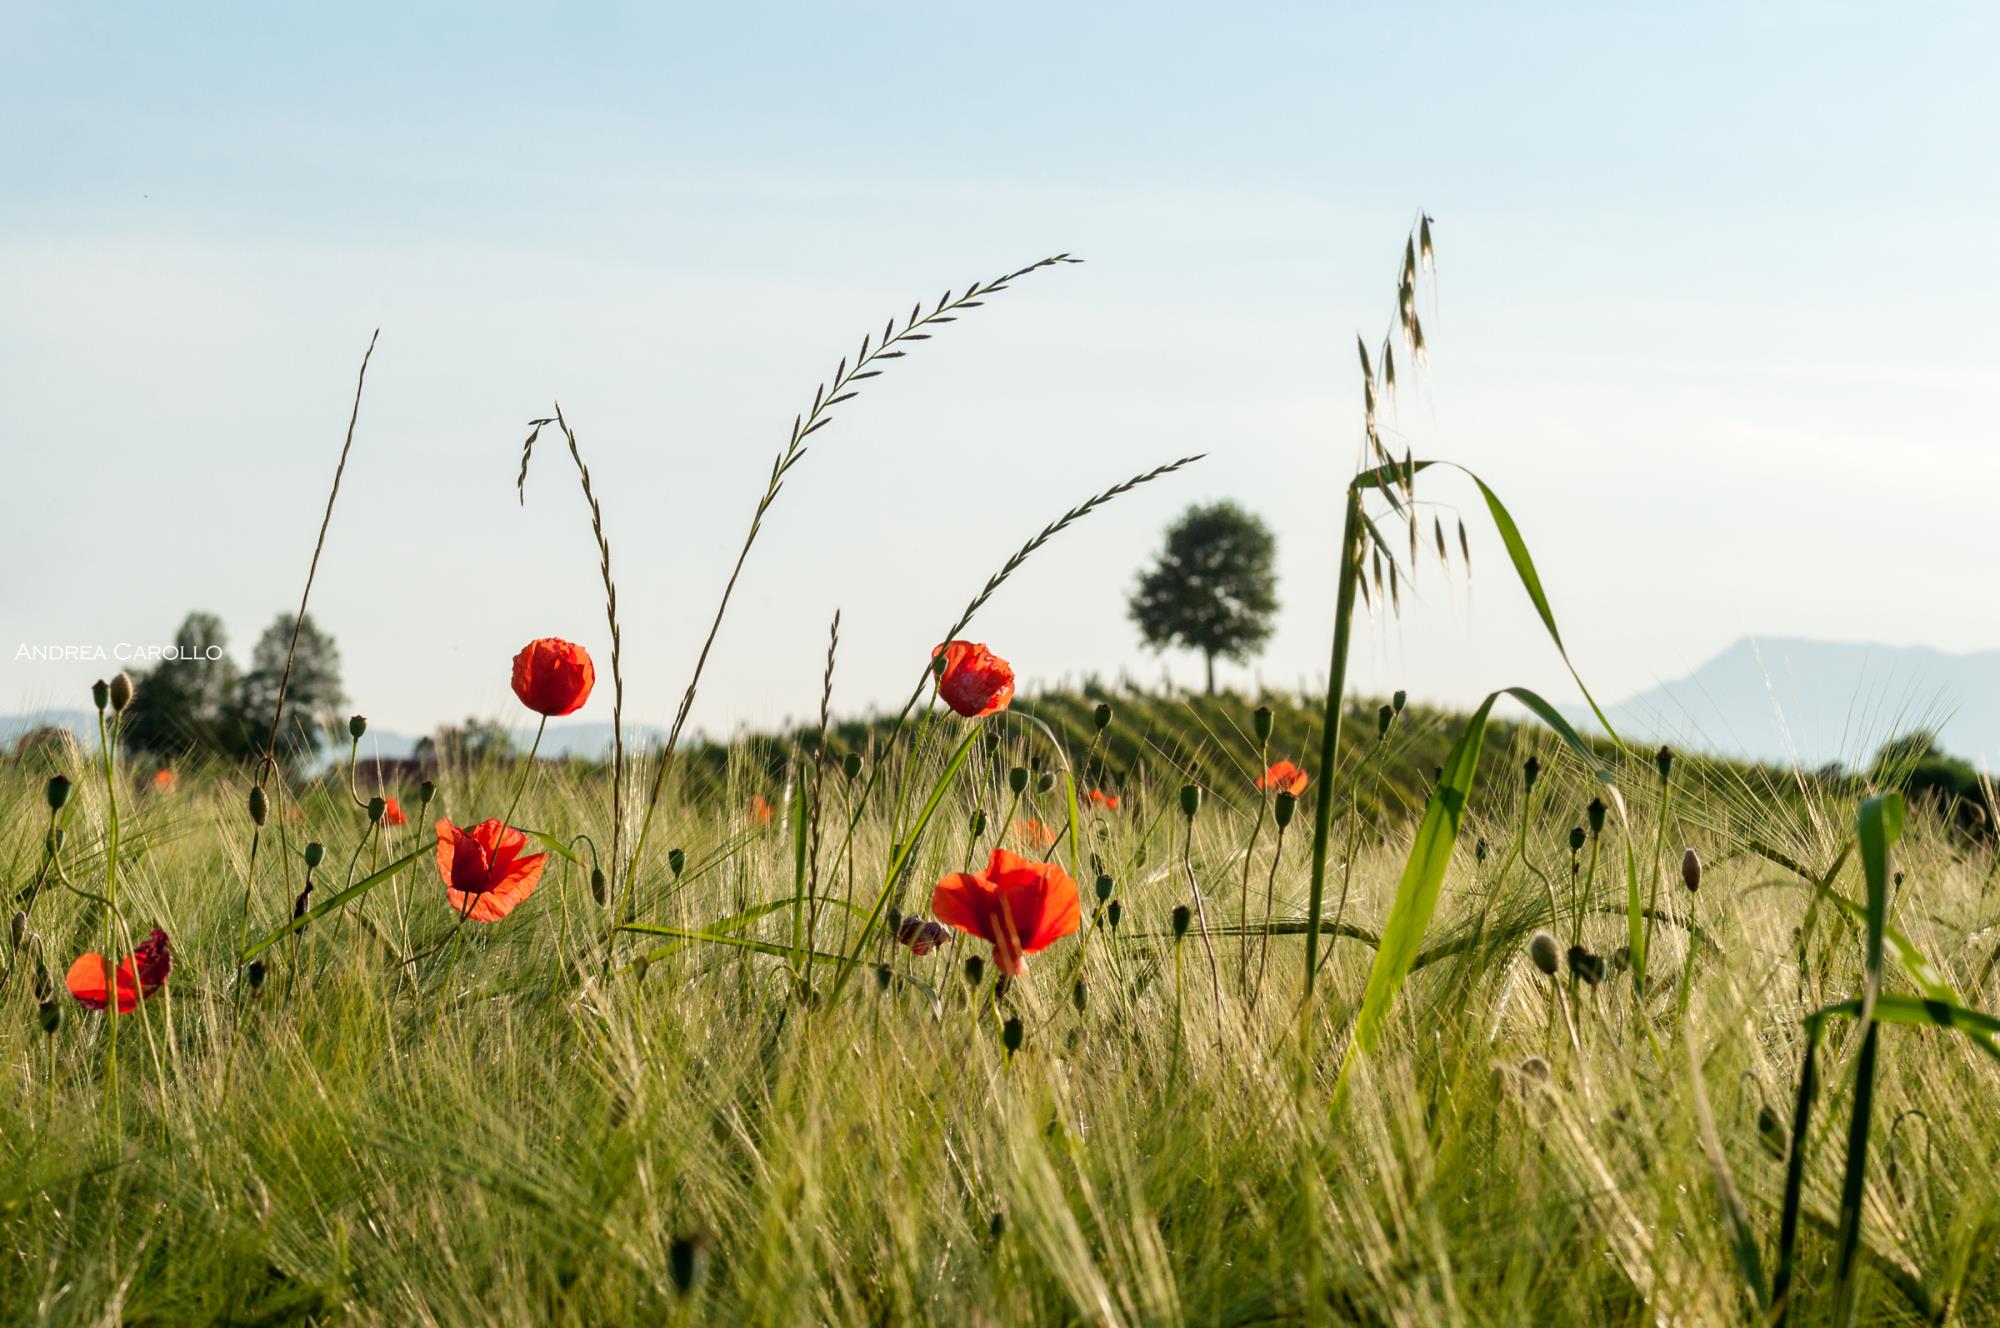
{"x":760,"y":809}
{"x":1284,"y":777}
{"x":165,"y":781}
{"x":553,"y":677}
{"x":975,"y":681}
{"x":1018,"y":905}
{"x":1035,"y":834}
{"x":392,"y":813}
{"x":484,"y":874}
{"x":140,"y":974}
{"x":1099,"y":798}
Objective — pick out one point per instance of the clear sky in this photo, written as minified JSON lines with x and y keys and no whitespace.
{"x":1714,"y":314}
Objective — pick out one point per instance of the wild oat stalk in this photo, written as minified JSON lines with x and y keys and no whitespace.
{"x":842,"y":387}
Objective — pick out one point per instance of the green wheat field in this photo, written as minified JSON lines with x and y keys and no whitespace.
{"x":1481,"y":1019}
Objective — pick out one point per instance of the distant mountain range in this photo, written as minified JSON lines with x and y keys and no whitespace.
{"x":1787,"y":699}
{"x":1781,"y":699}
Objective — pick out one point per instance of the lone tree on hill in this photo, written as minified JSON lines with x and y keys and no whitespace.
{"x":1214,"y":587}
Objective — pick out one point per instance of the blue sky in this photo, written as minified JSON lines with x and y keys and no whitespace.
{"x":1713,"y":313}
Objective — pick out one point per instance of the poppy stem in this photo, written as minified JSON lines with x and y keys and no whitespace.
{"x":527,"y":769}
{"x":107,"y":737}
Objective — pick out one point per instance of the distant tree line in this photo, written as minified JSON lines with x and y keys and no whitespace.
{"x":199,"y":700}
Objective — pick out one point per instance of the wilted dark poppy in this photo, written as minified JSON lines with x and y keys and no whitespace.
{"x":1284,"y":777}
{"x":975,"y":681}
{"x":553,"y":677}
{"x":484,"y":874}
{"x":392,"y":812}
{"x":139,"y":975}
{"x":922,"y":935}
{"x":1017,"y":905}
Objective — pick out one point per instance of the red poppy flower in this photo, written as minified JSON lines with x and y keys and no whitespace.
{"x":1018,"y":905}
{"x":1099,"y":798}
{"x":760,"y":809}
{"x":140,"y":974}
{"x":484,"y":874}
{"x":553,"y":677}
{"x":1035,"y":834}
{"x":392,"y":812}
{"x":975,"y":681}
{"x":1284,"y":777}
{"x":165,"y":781}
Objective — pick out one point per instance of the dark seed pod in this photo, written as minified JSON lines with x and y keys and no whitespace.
{"x":376,"y":808}
{"x":676,"y":860}
{"x":1588,"y":966}
{"x":598,"y":891}
{"x":1691,"y":870}
{"x":100,"y":693}
{"x":255,"y":974}
{"x":1017,"y":779}
{"x":260,"y":807}
{"x":1283,"y":807}
{"x":1399,"y":700}
{"x":1576,"y":838}
{"x":978,"y":822}
{"x":1664,"y":759}
{"x":51,"y":1016}
{"x":315,"y":854}
{"x":1045,"y":781}
{"x":850,"y":765}
{"x":1596,"y":814}
{"x":1182,"y":916}
{"x":1190,"y":800}
{"x":57,"y":792}
{"x":882,"y":977}
{"x":1384,"y":717}
{"x":120,"y":691}
{"x":1112,"y":912}
{"x":687,"y":1262}
{"x":1479,"y":851}
{"x":893,"y":920}
{"x":1102,"y":717}
{"x":1260,"y":723}
{"x":356,"y":726}
{"x":1531,"y":770}
{"x":1012,"y":1033}
{"x":1105,"y":885}
{"x":975,"y":970}
{"x":425,"y":792}
{"x":1543,"y":952}
{"x":1079,"y":996}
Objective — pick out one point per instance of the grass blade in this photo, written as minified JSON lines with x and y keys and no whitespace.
{"x":336,"y":901}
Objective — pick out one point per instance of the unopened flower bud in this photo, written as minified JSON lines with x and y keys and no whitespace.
{"x":1260,"y":723}
{"x":883,"y":976}
{"x":57,"y":792}
{"x":1017,"y":779}
{"x":1112,"y":912}
{"x":100,"y":692}
{"x":1531,"y":770}
{"x":315,"y":853}
{"x":1542,"y":950}
{"x":376,"y":807}
{"x":1691,"y":870}
{"x":255,"y":973}
{"x":1576,"y":838}
{"x":1535,"y":1068}
{"x":17,"y":928}
{"x":1596,"y":814}
{"x":1079,"y":996}
{"x":260,"y":807}
{"x":1384,"y":717}
{"x":850,"y":765}
{"x":1011,"y":1034}
{"x":1182,"y":915}
{"x":598,"y":891}
{"x":425,"y":792}
{"x":1045,"y":781}
{"x":356,"y":726}
{"x":687,"y":1262}
{"x":1102,"y":716}
{"x":676,"y":860}
{"x":978,"y":822}
{"x":1282,"y":808}
{"x":51,"y":1016}
{"x":1190,"y":800}
{"x":120,"y":691}
{"x":1664,"y":759}
{"x":1479,"y":851}
{"x":1105,"y":885}
{"x":975,"y":970}
{"x":1399,"y":700}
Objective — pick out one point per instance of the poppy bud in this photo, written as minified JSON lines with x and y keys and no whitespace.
{"x":1535,"y":1068}
{"x":17,"y":928}
{"x":376,"y":808}
{"x":1399,"y":700}
{"x":676,"y":859}
{"x":1105,"y":885}
{"x":1479,"y":851}
{"x":100,"y":692}
{"x":975,"y":970}
{"x":1664,"y":758}
{"x":1260,"y":723}
{"x":1596,"y":813}
{"x":1691,"y":870}
{"x":44,"y":989}
{"x":260,"y":808}
{"x":597,"y":887}
{"x":1576,"y":838}
{"x":315,"y":853}
{"x":1531,"y":770}
{"x":997,"y":1225}
{"x":1584,"y":964}
{"x":1283,"y":807}
{"x":978,"y":822}
{"x":51,"y":1016}
{"x":356,"y":726}
{"x":1182,"y":915}
{"x":255,"y":973}
{"x":1102,"y":718}
{"x":1190,"y":800}
{"x":1112,"y":912}
{"x":687,"y":1262}
{"x":1384,"y":717}
{"x":425,"y":792}
{"x":882,"y":977}
{"x":57,"y":792}
{"x":120,"y":691}
{"x":850,"y":765}
{"x":1017,"y":779}
{"x":1045,"y":781}
{"x":1011,"y":1034}
{"x":1621,"y":959}
{"x":893,"y":920}
{"x":1542,"y":950}
{"x":1079,"y":996}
